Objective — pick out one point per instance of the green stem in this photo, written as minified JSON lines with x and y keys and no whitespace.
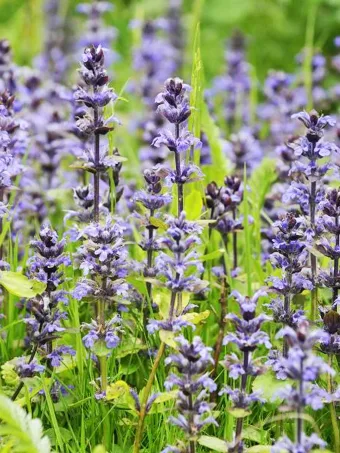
{"x":146,"y":394}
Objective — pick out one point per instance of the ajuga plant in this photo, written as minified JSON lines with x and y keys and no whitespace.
{"x":247,"y":336}
{"x":97,"y":33}
{"x":234,"y":86}
{"x":194,"y":385}
{"x":173,"y":104}
{"x":303,"y":368}
{"x":244,"y":150}
{"x":13,"y":144}
{"x":178,"y":270}
{"x":7,"y":68}
{"x":55,"y":58}
{"x":307,"y":189}
{"x":103,"y":259}
{"x":102,"y":255}
{"x":329,"y":242}
{"x":45,"y":314}
{"x":291,"y":256}
{"x":95,"y":95}
{"x":153,"y":200}
{"x":224,"y":203}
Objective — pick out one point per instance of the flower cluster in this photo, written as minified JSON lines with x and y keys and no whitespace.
{"x":95,"y":95}
{"x":13,"y":143}
{"x":173,"y":104}
{"x":247,"y":337}
{"x":194,"y":384}
{"x":224,"y":203}
{"x":153,"y":200}
{"x":103,"y":259}
{"x":45,"y":317}
{"x":244,"y":151}
{"x":303,"y":368}
{"x":234,"y":86}
{"x":97,"y":33}
{"x":290,"y":255}
{"x":330,"y":210}
{"x":313,"y":149}
{"x":178,"y":269}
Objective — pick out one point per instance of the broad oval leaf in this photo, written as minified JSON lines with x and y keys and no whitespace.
{"x":214,"y":443}
{"x":19,"y":285}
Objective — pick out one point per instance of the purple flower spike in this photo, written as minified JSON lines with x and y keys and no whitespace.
{"x":194,"y":384}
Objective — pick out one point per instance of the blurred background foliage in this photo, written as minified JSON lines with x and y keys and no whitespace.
{"x":275,"y":29}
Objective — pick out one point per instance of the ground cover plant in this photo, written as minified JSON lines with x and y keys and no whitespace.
{"x":169,"y":226}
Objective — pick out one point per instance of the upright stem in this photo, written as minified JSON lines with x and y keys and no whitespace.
{"x":33,"y":353}
{"x":314,"y":294}
{"x":336,"y":262}
{"x":192,"y":443}
{"x":244,"y":377}
{"x":96,"y":176}
{"x":220,"y":336}
{"x":287,"y":309}
{"x":146,"y":394}
{"x":101,"y":320}
{"x":234,"y":243}
{"x":299,"y":421}
{"x":180,"y":196}
{"x":150,"y":257}
{"x":1,"y":224}
{"x":335,"y":424}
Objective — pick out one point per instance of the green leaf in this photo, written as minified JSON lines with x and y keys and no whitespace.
{"x":168,"y":338}
{"x":196,"y":318}
{"x":268,"y":385}
{"x":18,"y":427}
{"x":99,"y":449}
{"x":238,"y":412}
{"x":19,"y":285}
{"x":158,"y":223}
{"x":260,"y":449}
{"x":217,"y":171}
{"x":100,"y":349}
{"x":212,"y":256}
{"x":214,"y":443}
{"x":116,"y":390}
{"x":194,"y":204}
{"x":253,"y":434}
{"x":67,"y":435}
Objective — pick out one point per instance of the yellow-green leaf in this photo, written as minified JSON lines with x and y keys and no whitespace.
{"x":158,"y":223}
{"x":19,"y":285}
{"x":214,"y":443}
{"x":194,"y":204}
{"x":116,"y":390}
{"x":196,"y":318}
{"x":168,"y":338}
{"x":238,"y":412}
{"x":260,"y":449}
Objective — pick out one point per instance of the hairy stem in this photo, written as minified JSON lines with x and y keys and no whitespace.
{"x":150,"y":258}
{"x":180,"y":195}
{"x":287,"y":307}
{"x":234,"y":243}
{"x":192,"y":443}
{"x":314,"y":294}
{"x":244,"y":377}
{"x":146,"y":394}
{"x":332,"y":407}
{"x":299,"y":421}
{"x":336,"y":262}
{"x":21,"y":384}
{"x":96,"y":176}
{"x":220,"y":336}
